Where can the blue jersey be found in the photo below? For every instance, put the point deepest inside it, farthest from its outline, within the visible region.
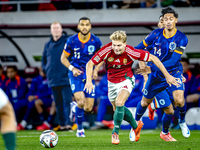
(81, 52)
(167, 49)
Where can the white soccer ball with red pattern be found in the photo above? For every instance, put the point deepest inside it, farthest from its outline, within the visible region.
(48, 139)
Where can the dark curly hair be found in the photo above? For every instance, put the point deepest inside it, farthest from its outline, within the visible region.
(169, 10)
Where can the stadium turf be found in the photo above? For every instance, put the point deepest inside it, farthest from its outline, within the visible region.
(101, 139)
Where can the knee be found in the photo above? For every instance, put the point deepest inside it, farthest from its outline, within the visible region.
(179, 101)
(119, 103)
(144, 103)
(80, 103)
(170, 111)
(88, 109)
(38, 103)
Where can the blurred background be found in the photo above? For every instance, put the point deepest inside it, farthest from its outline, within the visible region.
(25, 28)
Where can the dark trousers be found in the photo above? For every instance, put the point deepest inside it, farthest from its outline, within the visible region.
(63, 98)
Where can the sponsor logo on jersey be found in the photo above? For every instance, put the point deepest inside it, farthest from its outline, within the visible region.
(125, 61)
(110, 59)
(97, 58)
(91, 49)
(75, 49)
(117, 61)
(172, 46)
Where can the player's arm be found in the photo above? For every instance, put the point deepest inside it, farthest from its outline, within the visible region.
(65, 62)
(140, 46)
(147, 41)
(96, 70)
(89, 71)
(170, 79)
(145, 76)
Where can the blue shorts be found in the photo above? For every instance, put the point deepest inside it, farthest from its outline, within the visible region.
(155, 85)
(77, 84)
(46, 102)
(163, 99)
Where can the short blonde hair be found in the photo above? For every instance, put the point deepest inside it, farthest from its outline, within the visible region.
(119, 35)
(56, 22)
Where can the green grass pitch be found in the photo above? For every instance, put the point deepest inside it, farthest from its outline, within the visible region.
(101, 140)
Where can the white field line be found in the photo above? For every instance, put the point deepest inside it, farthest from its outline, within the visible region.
(37, 134)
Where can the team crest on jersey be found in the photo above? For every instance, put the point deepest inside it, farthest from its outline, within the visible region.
(91, 49)
(97, 58)
(110, 59)
(125, 61)
(172, 46)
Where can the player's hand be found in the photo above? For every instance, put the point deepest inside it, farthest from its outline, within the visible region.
(183, 79)
(95, 74)
(76, 72)
(144, 70)
(171, 80)
(89, 87)
(31, 98)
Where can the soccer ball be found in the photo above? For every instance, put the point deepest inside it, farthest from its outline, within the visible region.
(48, 139)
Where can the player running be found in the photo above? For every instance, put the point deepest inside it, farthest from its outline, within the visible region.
(81, 47)
(119, 57)
(168, 45)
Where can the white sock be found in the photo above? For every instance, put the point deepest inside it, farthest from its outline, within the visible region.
(23, 123)
(164, 133)
(45, 122)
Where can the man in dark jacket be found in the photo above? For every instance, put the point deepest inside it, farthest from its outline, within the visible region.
(57, 74)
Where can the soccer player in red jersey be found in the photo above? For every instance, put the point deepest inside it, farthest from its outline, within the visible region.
(119, 57)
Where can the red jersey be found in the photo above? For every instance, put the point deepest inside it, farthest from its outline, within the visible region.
(119, 65)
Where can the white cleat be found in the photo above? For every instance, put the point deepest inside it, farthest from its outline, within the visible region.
(185, 130)
(80, 133)
(132, 135)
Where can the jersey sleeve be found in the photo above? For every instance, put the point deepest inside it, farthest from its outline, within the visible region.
(140, 46)
(138, 54)
(149, 38)
(181, 45)
(67, 47)
(101, 54)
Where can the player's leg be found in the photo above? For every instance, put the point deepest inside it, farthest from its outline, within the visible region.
(79, 115)
(181, 107)
(166, 121)
(89, 103)
(46, 102)
(152, 88)
(18, 106)
(8, 122)
(104, 102)
(27, 117)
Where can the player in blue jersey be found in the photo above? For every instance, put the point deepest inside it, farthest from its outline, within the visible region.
(81, 47)
(162, 100)
(168, 45)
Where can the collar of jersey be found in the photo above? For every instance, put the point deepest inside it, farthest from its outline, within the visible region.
(82, 40)
(170, 36)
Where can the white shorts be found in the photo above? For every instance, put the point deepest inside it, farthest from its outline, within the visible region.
(115, 88)
(3, 99)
